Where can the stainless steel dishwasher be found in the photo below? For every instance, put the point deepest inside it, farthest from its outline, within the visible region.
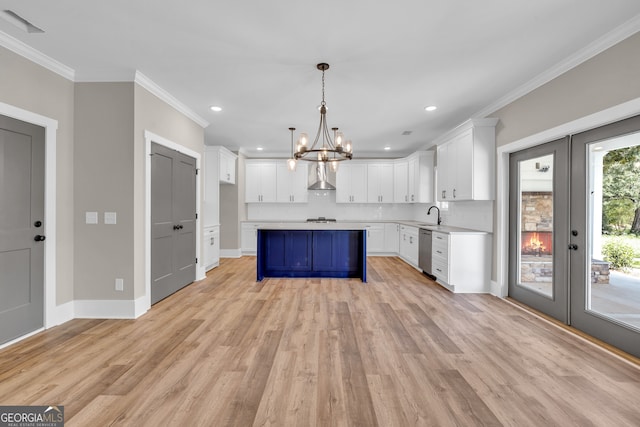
(424, 251)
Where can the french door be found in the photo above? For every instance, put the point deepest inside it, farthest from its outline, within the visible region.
(574, 231)
(538, 221)
(605, 182)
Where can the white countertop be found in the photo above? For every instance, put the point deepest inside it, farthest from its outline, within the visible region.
(356, 225)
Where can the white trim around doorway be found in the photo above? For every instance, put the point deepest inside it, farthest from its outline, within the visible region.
(54, 314)
(144, 303)
(592, 121)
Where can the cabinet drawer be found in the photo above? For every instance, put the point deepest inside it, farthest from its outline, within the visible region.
(440, 256)
(440, 270)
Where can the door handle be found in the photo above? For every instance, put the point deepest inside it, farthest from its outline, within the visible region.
(39, 238)
(573, 247)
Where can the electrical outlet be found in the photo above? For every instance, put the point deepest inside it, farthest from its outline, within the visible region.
(119, 284)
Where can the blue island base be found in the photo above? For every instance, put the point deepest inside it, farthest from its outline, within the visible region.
(312, 253)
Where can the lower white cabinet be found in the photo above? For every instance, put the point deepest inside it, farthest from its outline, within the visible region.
(249, 237)
(461, 261)
(391, 237)
(408, 246)
(375, 238)
(211, 244)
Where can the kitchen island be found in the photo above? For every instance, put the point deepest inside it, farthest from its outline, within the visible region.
(312, 250)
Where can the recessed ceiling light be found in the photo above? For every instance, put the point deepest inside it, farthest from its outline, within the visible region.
(259, 148)
(387, 148)
(216, 109)
(430, 108)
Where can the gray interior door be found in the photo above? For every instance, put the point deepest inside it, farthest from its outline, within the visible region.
(21, 228)
(173, 221)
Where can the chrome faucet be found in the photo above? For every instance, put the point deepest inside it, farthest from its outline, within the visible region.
(429, 213)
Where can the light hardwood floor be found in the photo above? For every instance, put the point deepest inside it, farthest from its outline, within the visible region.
(397, 351)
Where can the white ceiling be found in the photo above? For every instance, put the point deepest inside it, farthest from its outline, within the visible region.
(257, 59)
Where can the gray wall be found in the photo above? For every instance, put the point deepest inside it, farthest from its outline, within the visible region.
(31, 87)
(103, 169)
(609, 78)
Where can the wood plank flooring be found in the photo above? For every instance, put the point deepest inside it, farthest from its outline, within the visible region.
(397, 351)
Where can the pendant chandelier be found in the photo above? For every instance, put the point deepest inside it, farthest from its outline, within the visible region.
(324, 149)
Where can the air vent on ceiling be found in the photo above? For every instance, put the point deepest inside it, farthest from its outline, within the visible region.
(20, 22)
(407, 132)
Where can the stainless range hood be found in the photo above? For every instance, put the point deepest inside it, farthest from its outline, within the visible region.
(322, 181)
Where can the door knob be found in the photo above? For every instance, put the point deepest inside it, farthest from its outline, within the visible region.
(37, 224)
(39, 238)
(573, 247)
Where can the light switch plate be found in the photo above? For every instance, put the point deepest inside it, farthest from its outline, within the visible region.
(110, 218)
(91, 217)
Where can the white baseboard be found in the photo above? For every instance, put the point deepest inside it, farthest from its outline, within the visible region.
(231, 253)
(495, 289)
(106, 309)
(63, 313)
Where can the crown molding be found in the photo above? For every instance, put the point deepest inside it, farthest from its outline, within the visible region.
(610, 39)
(36, 56)
(149, 85)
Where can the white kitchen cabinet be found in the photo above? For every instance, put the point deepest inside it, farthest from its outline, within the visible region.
(375, 238)
(211, 184)
(260, 181)
(420, 176)
(401, 181)
(291, 185)
(380, 182)
(351, 183)
(461, 261)
(413, 178)
(466, 160)
(211, 245)
(391, 238)
(409, 244)
(249, 237)
(227, 166)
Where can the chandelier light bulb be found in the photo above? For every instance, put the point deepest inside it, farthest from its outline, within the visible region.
(303, 139)
(291, 164)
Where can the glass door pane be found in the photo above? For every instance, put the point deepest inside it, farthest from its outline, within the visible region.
(538, 221)
(613, 285)
(535, 228)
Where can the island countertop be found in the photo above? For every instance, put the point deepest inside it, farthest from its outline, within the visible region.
(311, 226)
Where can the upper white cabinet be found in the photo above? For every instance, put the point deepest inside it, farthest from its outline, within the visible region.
(260, 181)
(351, 183)
(380, 182)
(466, 160)
(227, 166)
(413, 178)
(401, 181)
(291, 185)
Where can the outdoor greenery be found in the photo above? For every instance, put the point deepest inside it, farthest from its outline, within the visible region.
(631, 240)
(619, 253)
(621, 191)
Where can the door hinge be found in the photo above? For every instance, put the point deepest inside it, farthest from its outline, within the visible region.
(196, 260)
(196, 216)
(197, 170)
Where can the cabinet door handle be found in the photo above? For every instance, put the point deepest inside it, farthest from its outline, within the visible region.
(410, 239)
(439, 252)
(454, 193)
